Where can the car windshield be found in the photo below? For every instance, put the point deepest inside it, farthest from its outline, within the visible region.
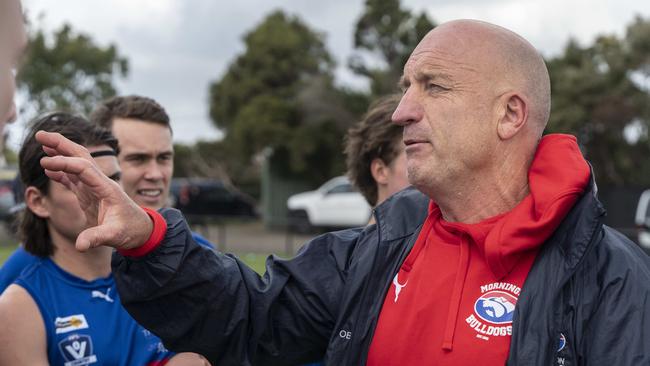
(332, 183)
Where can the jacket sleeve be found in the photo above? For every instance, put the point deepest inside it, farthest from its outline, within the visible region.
(618, 330)
(199, 300)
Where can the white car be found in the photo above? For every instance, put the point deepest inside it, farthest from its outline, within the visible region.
(642, 220)
(334, 204)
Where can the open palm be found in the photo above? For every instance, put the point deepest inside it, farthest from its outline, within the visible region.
(115, 220)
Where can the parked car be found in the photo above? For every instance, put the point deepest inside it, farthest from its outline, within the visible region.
(334, 204)
(642, 220)
(209, 198)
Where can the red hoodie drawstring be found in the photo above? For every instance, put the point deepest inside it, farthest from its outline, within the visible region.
(456, 295)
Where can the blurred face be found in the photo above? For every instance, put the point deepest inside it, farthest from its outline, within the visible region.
(63, 212)
(445, 110)
(12, 43)
(397, 174)
(146, 159)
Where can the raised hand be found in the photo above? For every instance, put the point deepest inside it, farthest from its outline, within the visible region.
(120, 222)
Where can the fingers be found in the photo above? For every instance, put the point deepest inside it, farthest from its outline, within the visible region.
(91, 238)
(70, 170)
(55, 144)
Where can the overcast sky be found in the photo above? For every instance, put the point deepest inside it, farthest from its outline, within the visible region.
(177, 47)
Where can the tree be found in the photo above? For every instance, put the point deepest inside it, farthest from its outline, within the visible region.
(68, 71)
(280, 95)
(597, 95)
(387, 33)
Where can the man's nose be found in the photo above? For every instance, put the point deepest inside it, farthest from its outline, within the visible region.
(153, 171)
(409, 109)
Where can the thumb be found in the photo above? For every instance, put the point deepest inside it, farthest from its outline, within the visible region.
(93, 237)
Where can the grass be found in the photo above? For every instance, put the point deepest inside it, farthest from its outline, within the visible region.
(5, 252)
(254, 260)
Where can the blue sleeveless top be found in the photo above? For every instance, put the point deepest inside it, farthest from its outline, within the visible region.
(85, 322)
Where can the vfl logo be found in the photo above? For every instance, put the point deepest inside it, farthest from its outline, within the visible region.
(102, 295)
(398, 287)
(77, 350)
(496, 307)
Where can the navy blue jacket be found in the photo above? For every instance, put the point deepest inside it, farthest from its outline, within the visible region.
(586, 300)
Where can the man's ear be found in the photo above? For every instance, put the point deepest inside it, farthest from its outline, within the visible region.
(35, 201)
(379, 171)
(514, 117)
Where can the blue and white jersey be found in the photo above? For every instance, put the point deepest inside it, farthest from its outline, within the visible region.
(85, 322)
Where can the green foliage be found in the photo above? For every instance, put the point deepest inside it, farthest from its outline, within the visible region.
(68, 71)
(390, 33)
(279, 94)
(595, 98)
(280, 53)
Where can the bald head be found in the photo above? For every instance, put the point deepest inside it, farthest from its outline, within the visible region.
(505, 59)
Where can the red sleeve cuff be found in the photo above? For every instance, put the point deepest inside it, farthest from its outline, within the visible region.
(156, 237)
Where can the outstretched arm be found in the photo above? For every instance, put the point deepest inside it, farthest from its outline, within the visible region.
(23, 336)
(120, 223)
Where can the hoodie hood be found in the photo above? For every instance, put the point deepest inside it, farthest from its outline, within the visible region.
(557, 177)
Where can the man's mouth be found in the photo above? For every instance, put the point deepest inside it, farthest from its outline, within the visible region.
(150, 192)
(409, 142)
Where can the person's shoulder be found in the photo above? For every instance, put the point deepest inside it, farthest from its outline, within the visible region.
(17, 307)
(619, 254)
(402, 213)
(18, 260)
(16, 264)
(201, 240)
(23, 330)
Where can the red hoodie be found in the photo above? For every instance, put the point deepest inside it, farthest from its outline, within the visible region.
(452, 301)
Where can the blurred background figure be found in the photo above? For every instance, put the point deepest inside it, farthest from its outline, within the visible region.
(142, 128)
(375, 156)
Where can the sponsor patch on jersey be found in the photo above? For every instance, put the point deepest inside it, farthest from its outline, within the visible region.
(77, 350)
(493, 310)
(70, 323)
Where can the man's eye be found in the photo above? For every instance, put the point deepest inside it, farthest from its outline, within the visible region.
(435, 87)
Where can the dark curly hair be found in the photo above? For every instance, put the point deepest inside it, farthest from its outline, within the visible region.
(375, 136)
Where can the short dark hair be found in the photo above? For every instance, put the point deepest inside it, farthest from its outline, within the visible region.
(32, 229)
(131, 106)
(375, 136)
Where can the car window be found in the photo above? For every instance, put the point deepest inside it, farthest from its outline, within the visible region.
(217, 194)
(342, 188)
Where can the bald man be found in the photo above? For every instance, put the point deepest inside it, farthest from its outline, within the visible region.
(499, 256)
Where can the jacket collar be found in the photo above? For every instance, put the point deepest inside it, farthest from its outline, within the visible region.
(574, 235)
(402, 214)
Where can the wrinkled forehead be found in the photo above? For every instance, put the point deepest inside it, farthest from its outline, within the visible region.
(442, 57)
(459, 48)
